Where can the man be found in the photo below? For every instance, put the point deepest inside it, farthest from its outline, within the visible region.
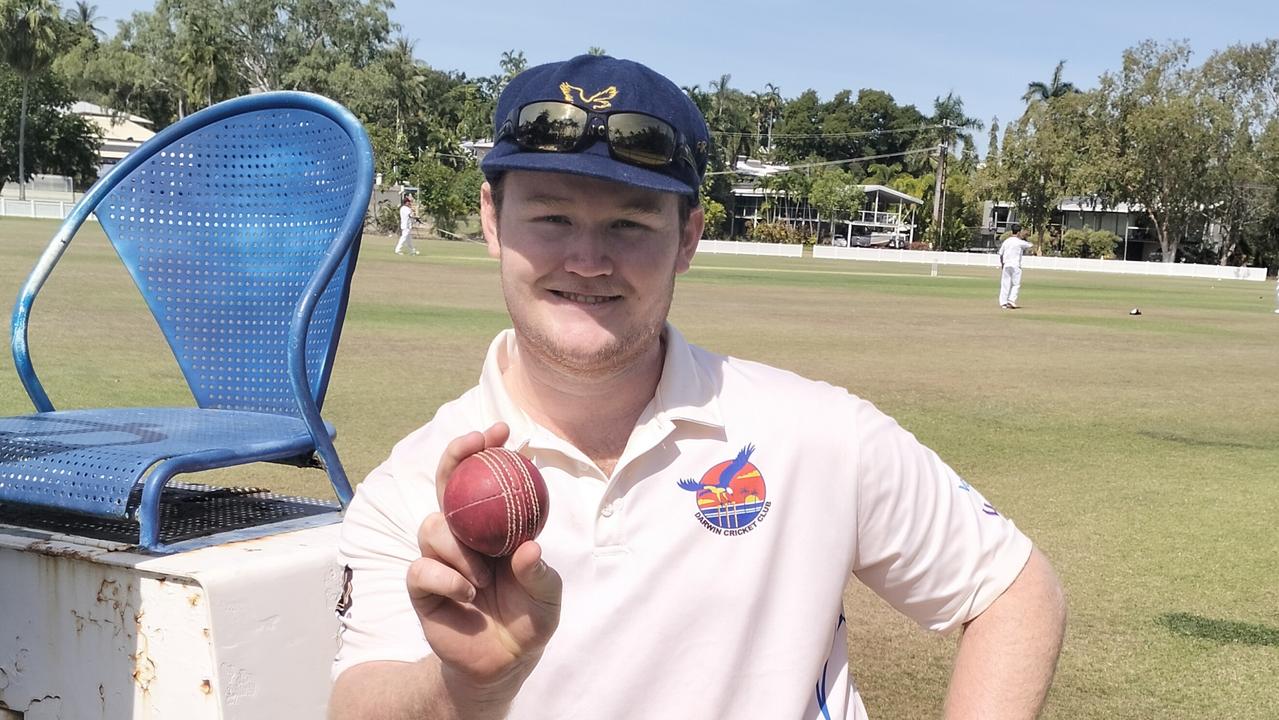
(406, 227)
(702, 525)
(1010, 267)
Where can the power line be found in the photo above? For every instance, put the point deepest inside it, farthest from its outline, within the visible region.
(858, 133)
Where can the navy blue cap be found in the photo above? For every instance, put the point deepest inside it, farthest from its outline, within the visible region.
(592, 81)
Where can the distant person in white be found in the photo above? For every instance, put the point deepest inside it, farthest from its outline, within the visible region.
(406, 227)
(1010, 263)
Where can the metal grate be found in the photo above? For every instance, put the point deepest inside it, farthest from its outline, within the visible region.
(187, 511)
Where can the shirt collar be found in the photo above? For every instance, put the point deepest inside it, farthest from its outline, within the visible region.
(687, 391)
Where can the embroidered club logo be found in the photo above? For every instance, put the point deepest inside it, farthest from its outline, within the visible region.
(731, 497)
(598, 101)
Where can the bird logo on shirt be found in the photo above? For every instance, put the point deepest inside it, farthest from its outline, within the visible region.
(731, 496)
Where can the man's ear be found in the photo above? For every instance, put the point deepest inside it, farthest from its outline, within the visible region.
(488, 220)
(689, 238)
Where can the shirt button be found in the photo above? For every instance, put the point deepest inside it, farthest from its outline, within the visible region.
(607, 510)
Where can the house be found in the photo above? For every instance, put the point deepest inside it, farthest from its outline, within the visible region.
(886, 217)
(1128, 222)
(121, 133)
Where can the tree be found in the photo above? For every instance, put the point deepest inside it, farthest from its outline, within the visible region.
(29, 37)
(770, 104)
(1037, 92)
(992, 142)
(835, 195)
(58, 141)
(1035, 164)
(948, 113)
(1161, 129)
(83, 21)
(512, 63)
(1245, 78)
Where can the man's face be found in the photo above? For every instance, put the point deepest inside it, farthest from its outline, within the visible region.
(588, 266)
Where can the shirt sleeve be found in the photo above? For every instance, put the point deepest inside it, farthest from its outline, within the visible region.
(377, 545)
(927, 541)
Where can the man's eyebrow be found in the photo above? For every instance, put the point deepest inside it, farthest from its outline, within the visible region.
(546, 199)
(632, 206)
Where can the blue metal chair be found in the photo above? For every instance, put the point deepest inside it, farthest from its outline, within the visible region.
(240, 226)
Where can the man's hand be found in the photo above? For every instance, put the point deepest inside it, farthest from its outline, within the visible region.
(487, 620)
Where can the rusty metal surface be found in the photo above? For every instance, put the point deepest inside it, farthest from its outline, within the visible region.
(244, 630)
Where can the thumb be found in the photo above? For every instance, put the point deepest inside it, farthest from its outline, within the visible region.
(538, 579)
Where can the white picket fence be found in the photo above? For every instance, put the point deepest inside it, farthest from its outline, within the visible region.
(728, 247)
(42, 209)
(927, 257)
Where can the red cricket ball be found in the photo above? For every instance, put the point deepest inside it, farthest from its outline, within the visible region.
(495, 501)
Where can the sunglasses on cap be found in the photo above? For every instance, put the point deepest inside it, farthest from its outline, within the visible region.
(634, 138)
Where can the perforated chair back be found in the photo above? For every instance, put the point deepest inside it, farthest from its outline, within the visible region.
(221, 230)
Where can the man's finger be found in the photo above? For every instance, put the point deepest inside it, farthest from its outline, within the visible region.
(436, 542)
(429, 580)
(538, 579)
(464, 447)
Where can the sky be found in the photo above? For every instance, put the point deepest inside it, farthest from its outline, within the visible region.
(985, 52)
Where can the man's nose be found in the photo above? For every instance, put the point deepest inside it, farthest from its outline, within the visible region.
(588, 254)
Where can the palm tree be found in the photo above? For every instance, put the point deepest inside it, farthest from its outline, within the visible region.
(408, 83)
(948, 112)
(28, 43)
(83, 19)
(770, 106)
(881, 174)
(1055, 88)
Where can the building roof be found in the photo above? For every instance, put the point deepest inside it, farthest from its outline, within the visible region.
(121, 132)
(887, 194)
(757, 168)
(87, 109)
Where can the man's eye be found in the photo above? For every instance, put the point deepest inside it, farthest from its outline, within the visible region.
(557, 219)
(628, 225)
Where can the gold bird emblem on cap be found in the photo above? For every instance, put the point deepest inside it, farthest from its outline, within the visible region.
(598, 101)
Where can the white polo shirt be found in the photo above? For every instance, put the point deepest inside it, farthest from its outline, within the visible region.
(1011, 250)
(705, 577)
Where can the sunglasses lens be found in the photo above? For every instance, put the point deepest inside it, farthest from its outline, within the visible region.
(641, 139)
(550, 126)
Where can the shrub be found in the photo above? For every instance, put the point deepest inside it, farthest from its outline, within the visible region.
(716, 217)
(1075, 243)
(1102, 244)
(778, 232)
(1089, 243)
(387, 218)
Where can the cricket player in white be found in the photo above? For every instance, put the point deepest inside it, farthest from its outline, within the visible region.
(406, 227)
(1010, 267)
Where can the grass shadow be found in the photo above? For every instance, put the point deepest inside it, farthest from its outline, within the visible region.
(1219, 631)
(1198, 442)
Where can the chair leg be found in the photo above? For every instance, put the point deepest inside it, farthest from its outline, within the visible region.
(148, 512)
(333, 466)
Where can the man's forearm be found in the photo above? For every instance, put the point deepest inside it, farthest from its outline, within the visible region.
(1008, 654)
(406, 691)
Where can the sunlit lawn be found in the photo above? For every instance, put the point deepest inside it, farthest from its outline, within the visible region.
(1141, 453)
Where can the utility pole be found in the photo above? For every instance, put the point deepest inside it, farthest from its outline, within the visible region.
(939, 187)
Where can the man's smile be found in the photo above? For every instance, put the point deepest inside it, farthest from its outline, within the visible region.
(585, 299)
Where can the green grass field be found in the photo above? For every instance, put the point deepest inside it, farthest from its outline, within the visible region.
(1141, 453)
